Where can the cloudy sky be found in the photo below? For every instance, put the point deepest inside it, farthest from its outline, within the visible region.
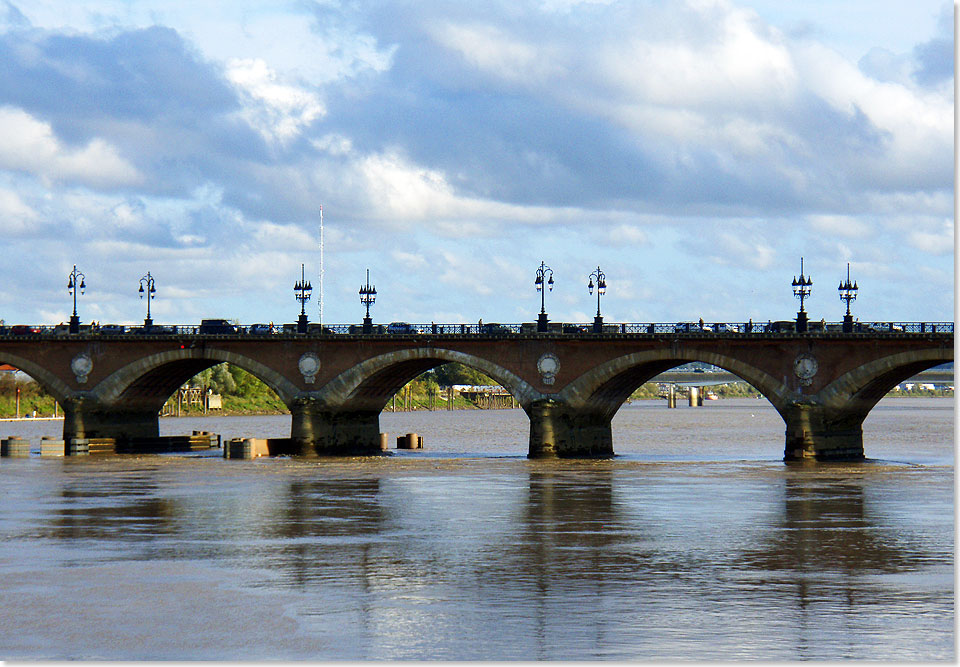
(693, 150)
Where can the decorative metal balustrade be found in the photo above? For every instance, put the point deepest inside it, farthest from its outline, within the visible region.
(584, 329)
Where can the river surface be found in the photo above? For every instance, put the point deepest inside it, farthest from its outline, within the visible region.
(695, 542)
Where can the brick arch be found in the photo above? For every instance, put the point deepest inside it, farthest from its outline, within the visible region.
(52, 384)
(152, 379)
(371, 383)
(605, 388)
(858, 390)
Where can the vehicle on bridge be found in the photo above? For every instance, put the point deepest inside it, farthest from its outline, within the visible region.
(400, 328)
(112, 329)
(217, 327)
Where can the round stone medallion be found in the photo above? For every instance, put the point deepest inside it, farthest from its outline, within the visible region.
(309, 364)
(548, 365)
(81, 366)
(805, 366)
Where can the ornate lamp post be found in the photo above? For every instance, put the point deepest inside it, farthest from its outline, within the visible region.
(368, 294)
(848, 293)
(75, 282)
(147, 287)
(601, 289)
(302, 289)
(801, 290)
(540, 283)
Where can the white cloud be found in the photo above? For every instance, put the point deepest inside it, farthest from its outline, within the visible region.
(399, 191)
(936, 241)
(494, 51)
(16, 217)
(743, 249)
(276, 110)
(846, 226)
(29, 145)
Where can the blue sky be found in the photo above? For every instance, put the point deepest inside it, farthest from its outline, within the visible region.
(692, 150)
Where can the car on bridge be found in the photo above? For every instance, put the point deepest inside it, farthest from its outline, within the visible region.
(112, 329)
(24, 330)
(494, 329)
(400, 328)
(260, 329)
(217, 327)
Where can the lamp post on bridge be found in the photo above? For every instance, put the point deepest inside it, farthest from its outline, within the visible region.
(601, 289)
(150, 291)
(75, 281)
(801, 290)
(848, 293)
(302, 288)
(368, 295)
(542, 321)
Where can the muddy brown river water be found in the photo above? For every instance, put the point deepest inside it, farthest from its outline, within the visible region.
(695, 542)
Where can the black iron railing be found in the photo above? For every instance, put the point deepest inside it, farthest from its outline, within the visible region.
(486, 329)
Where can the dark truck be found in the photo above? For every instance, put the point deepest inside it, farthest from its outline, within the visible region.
(217, 327)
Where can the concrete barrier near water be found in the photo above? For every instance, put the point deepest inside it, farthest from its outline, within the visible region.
(77, 447)
(51, 446)
(410, 441)
(15, 447)
(251, 448)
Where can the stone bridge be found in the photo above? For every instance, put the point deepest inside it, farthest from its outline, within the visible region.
(823, 384)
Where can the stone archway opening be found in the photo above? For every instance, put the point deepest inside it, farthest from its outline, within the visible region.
(628, 401)
(223, 389)
(457, 409)
(126, 406)
(345, 417)
(22, 396)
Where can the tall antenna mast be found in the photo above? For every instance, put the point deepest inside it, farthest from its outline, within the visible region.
(321, 270)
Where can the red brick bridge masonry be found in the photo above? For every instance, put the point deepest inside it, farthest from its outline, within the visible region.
(822, 384)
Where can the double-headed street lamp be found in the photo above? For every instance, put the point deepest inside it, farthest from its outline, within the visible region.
(848, 293)
(368, 294)
(540, 283)
(801, 290)
(302, 290)
(75, 282)
(147, 287)
(601, 289)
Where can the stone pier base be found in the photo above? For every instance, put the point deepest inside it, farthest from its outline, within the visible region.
(558, 431)
(84, 420)
(812, 434)
(335, 433)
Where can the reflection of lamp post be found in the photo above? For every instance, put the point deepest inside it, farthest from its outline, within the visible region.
(303, 289)
(76, 281)
(368, 294)
(801, 290)
(539, 282)
(601, 289)
(848, 293)
(150, 291)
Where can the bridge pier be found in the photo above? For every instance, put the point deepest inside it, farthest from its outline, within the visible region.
(325, 432)
(558, 431)
(86, 419)
(815, 433)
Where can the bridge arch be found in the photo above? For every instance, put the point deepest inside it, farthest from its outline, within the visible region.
(370, 384)
(604, 389)
(857, 391)
(52, 384)
(152, 379)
